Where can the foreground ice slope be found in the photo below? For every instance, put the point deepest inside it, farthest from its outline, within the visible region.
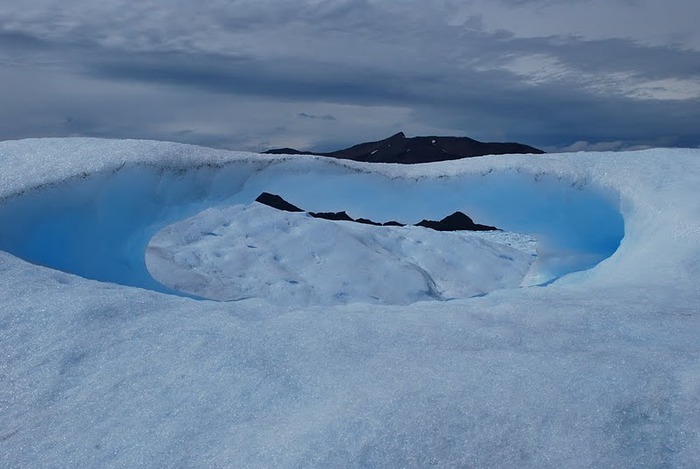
(599, 369)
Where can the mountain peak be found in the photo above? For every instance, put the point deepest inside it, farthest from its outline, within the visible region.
(410, 150)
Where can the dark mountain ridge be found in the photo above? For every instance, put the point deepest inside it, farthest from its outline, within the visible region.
(411, 150)
(458, 221)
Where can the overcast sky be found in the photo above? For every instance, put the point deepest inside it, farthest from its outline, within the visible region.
(323, 74)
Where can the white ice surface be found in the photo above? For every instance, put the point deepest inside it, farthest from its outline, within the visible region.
(600, 368)
(255, 251)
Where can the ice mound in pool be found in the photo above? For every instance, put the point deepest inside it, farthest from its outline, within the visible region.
(254, 251)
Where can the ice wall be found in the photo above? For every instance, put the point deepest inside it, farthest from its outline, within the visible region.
(98, 225)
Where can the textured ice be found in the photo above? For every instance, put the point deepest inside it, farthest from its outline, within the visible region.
(600, 368)
(99, 226)
(254, 251)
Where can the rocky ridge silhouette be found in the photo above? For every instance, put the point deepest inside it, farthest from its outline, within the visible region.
(412, 150)
(457, 221)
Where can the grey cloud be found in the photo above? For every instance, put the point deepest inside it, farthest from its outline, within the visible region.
(325, 117)
(446, 78)
(615, 55)
(599, 146)
(544, 2)
(18, 41)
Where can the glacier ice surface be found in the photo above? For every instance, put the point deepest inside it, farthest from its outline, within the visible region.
(600, 368)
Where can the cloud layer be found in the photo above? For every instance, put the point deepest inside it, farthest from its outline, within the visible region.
(320, 74)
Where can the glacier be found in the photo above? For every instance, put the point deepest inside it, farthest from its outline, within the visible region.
(591, 360)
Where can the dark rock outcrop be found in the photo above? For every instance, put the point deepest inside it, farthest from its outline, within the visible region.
(335, 216)
(286, 151)
(366, 221)
(401, 149)
(455, 222)
(275, 201)
(392, 223)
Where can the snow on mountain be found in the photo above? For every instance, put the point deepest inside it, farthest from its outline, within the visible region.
(102, 366)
